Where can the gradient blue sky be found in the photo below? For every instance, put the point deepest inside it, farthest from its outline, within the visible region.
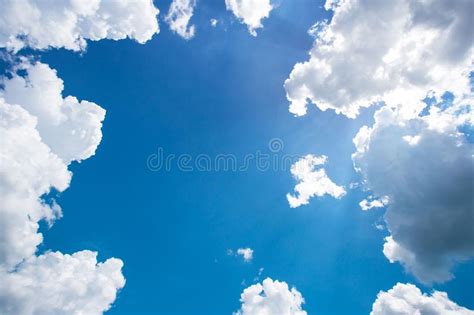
(221, 92)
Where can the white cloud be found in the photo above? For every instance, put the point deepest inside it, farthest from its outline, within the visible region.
(246, 253)
(399, 53)
(213, 22)
(428, 185)
(354, 185)
(35, 23)
(71, 128)
(250, 12)
(312, 181)
(379, 227)
(407, 299)
(395, 51)
(178, 17)
(316, 28)
(55, 283)
(271, 297)
(41, 133)
(373, 203)
(28, 170)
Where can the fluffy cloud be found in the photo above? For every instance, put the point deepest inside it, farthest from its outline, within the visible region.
(403, 54)
(428, 183)
(313, 181)
(71, 128)
(41, 133)
(271, 297)
(246, 253)
(250, 12)
(178, 17)
(392, 51)
(28, 170)
(54, 283)
(373, 203)
(407, 299)
(35, 23)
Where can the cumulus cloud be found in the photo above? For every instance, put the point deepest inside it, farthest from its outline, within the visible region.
(370, 203)
(28, 170)
(313, 181)
(407, 299)
(391, 51)
(41, 134)
(403, 54)
(428, 184)
(71, 128)
(35, 23)
(250, 12)
(179, 14)
(271, 297)
(246, 253)
(55, 283)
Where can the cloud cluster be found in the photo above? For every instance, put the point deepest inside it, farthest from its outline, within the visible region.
(55, 283)
(250, 12)
(271, 297)
(372, 202)
(71, 128)
(68, 24)
(313, 181)
(28, 170)
(392, 51)
(178, 17)
(42, 133)
(428, 183)
(246, 253)
(413, 159)
(407, 299)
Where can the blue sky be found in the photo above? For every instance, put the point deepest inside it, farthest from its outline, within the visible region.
(219, 93)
